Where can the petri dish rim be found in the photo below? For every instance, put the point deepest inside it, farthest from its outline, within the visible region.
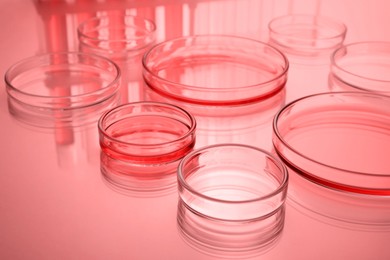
(342, 27)
(103, 131)
(282, 185)
(344, 48)
(285, 143)
(202, 88)
(15, 66)
(148, 22)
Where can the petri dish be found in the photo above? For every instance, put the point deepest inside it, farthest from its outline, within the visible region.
(229, 239)
(215, 70)
(232, 182)
(58, 90)
(116, 35)
(143, 142)
(301, 35)
(361, 66)
(337, 140)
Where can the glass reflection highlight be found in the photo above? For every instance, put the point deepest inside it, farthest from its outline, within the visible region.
(229, 239)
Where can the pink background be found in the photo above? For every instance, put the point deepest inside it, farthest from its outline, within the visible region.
(54, 202)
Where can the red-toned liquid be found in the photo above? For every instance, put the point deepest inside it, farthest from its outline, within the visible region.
(150, 139)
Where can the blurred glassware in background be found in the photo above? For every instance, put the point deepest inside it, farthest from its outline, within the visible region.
(232, 85)
(142, 144)
(308, 42)
(123, 39)
(339, 143)
(231, 198)
(361, 66)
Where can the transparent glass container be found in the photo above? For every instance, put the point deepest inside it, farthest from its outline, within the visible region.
(232, 85)
(336, 147)
(142, 144)
(60, 90)
(308, 42)
(124, 39)
(215, 70)
(231, 198)
(361, 66)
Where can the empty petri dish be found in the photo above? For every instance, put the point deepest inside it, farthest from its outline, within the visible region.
(229, 239)
(301, 35)
(361, 66)
(62, 89)
(116, 35)
(143, 142)
(124, 39)
(337, 140)
(232, 182)
(215, 70)
(307, 41)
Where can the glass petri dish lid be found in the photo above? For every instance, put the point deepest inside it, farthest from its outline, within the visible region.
(337, 140)
(215, 70)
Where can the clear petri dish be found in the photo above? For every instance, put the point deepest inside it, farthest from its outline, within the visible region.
(338, 140)
(301, 35)
(215, 70)
(143, 142)
(116, 35)
(229, 239)
(232, 182)
(361, 66)
(62, 89)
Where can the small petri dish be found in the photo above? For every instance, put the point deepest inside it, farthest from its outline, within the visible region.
(361, 66)
(215, 70)
(306, 35)
(230, 239)
(144, 142)
(232, 182)
(116, 35)
(62, 89)
(338, 140)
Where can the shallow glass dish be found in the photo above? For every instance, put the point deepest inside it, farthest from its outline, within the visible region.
(232, 182)
(361, 66)
(116, 35)
(306, 35)
(337, 140)
(215, 70)
(143, 142)
(62, 89)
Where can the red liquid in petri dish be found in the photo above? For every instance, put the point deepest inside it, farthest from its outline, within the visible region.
(147, 131)
(215, 70)
(147, 134)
